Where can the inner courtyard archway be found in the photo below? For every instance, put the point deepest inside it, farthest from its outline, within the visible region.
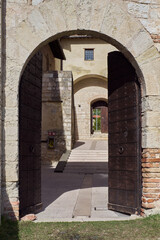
(85, 90)
(99, 117)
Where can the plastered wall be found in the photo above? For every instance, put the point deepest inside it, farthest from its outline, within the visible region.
(74, 49)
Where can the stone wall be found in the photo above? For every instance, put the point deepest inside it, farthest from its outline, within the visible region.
(148, 12)
(29, 27)
(57, 115)
(151, 155)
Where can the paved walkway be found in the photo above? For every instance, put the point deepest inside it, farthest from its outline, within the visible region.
(77, 196)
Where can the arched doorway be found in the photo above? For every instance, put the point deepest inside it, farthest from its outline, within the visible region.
(124, 139)
(85, 90)
(135, 43)
(99, 117)
(30, 193)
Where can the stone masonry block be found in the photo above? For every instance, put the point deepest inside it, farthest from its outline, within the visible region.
(11, 172)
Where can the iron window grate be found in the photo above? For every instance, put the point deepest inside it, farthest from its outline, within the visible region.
(89, 54)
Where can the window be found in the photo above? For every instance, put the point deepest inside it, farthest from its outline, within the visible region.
(89, 54)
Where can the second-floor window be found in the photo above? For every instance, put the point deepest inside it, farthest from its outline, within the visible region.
(89, 54)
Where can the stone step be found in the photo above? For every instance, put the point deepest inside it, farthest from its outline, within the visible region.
(88, 156)
(89, 151)
(85, 165)
(78, 168)
(85, 153)
(86, 162)
(84, 171)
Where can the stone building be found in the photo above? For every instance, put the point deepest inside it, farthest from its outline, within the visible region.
(28, 27)
(89, 78)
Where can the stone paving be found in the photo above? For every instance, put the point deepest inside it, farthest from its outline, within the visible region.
(76, 197)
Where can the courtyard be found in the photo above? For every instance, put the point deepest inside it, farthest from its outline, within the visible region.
(80, 192)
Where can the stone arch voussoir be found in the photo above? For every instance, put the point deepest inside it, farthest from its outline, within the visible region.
(53, 19)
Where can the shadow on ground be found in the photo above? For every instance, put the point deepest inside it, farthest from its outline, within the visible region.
(55, 185)
(78, 144)
(9, 230)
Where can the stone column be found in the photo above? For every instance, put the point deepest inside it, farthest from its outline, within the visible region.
(57, 114)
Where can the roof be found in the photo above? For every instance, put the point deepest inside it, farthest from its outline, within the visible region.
(57, 50)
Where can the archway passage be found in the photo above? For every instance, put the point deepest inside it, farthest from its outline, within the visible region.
(124, 136)
(99, 117)
(30, 136)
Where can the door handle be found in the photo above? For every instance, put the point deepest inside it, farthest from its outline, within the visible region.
(121, 150)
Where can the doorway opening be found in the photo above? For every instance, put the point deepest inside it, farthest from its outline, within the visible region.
(124, 139)
(99, 117)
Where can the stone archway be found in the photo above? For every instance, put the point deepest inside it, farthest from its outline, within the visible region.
(50, 20)
(99, 122)
(87, 88)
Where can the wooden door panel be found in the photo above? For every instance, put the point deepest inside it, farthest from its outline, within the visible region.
(123, 125)
(128, 92)
(122, 163)
(121, 200)
(119, 104)
(120, 137)
(128, 150)
(124, 136)
(30, 136)
(123, 114)
(104, 119)
(123, 180)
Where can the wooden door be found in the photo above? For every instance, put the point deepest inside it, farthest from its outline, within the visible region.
(30, 136)
(124, 136)
(104, 119)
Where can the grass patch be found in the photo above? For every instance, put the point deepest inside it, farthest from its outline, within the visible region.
(147, 228)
